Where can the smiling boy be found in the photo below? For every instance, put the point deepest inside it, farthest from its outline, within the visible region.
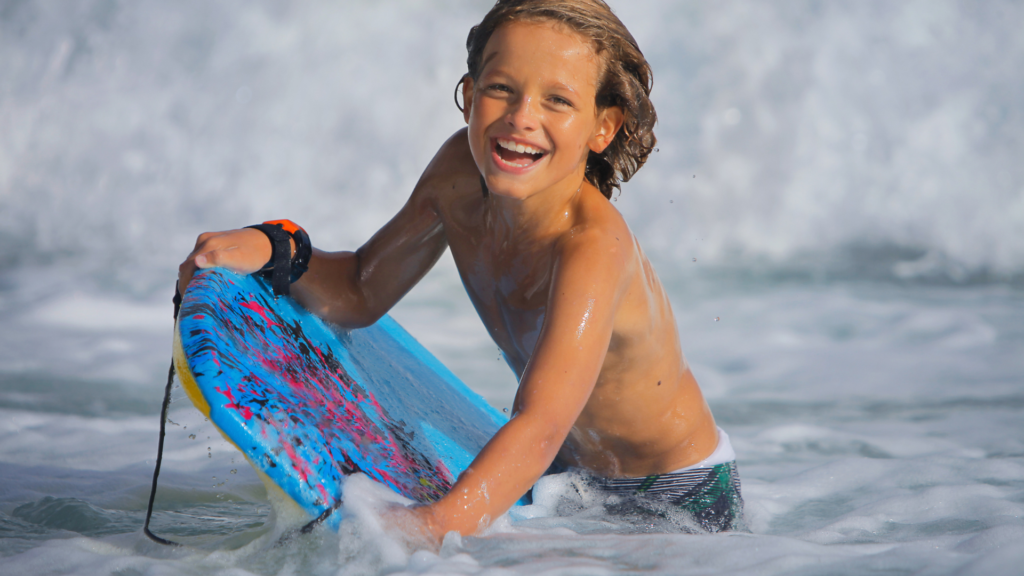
(556, 102)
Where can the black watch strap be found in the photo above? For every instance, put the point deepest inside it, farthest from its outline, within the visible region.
(303, 254)
(279, 268)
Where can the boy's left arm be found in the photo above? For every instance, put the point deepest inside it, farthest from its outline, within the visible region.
(587, 282)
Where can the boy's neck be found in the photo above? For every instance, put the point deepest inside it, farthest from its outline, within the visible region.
(542, 215)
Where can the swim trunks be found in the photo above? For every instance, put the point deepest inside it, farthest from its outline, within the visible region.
(709, 490)
(712, 495)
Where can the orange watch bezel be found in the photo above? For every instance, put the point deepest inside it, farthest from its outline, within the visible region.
(288, 226)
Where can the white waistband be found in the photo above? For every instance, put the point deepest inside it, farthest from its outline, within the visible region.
(723, 453)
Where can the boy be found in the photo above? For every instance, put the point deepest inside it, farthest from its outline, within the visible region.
(556, 102)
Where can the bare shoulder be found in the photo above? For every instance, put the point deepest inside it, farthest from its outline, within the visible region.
(452, 170)
(600, 234)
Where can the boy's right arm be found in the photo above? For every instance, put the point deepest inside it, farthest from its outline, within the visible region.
(354, 289)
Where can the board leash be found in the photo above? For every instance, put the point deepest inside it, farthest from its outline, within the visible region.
(309, 526)
(160, 444)
(159, 459)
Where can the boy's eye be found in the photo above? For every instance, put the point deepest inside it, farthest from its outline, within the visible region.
(499, 88)
(560, 101)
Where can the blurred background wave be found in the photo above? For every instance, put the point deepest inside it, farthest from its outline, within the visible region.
(869, 138)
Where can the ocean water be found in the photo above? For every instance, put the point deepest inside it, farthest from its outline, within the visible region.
(836, 207)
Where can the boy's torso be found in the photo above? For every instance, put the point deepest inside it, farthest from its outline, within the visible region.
(646, 413)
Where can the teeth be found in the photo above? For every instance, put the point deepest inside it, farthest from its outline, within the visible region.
(522, 149)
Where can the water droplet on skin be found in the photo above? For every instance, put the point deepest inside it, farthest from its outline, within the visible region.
(717, 318)
(191, 436)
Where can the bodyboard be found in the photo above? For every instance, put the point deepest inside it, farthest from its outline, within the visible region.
(308, 403)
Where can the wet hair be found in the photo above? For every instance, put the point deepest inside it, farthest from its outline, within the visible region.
(626, 80)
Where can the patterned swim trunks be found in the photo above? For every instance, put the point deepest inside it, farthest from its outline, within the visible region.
(712, 495)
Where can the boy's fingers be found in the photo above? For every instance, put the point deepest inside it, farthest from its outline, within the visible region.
(185, 273)
(232, 257)
(202, 261)
(195, 263)
(243, 251)
(221, 257)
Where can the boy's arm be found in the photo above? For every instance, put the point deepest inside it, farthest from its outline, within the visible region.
(354, 289)
(555, 387)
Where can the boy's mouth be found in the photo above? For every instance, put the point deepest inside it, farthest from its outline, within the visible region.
(516, 155)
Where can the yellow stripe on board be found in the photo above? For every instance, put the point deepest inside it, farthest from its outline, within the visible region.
(188, 381)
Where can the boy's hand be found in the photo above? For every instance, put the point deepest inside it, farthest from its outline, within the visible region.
(415, 526)
(243, 251)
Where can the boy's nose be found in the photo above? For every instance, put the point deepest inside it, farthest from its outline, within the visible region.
(523, 115)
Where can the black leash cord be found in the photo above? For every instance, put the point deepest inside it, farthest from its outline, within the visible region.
(320, 519)
(160, 456)
(163, 430)
(308, 527)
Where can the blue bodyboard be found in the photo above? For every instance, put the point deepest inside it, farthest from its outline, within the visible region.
(308, 403)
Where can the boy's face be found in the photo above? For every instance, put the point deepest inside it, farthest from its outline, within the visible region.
(532, 114)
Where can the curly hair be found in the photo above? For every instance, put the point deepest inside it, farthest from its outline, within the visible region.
(626, 81)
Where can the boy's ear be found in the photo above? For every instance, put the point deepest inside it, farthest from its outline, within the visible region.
(609, 121)
(467, 96)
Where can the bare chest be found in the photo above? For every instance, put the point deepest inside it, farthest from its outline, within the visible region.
(508, 285)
